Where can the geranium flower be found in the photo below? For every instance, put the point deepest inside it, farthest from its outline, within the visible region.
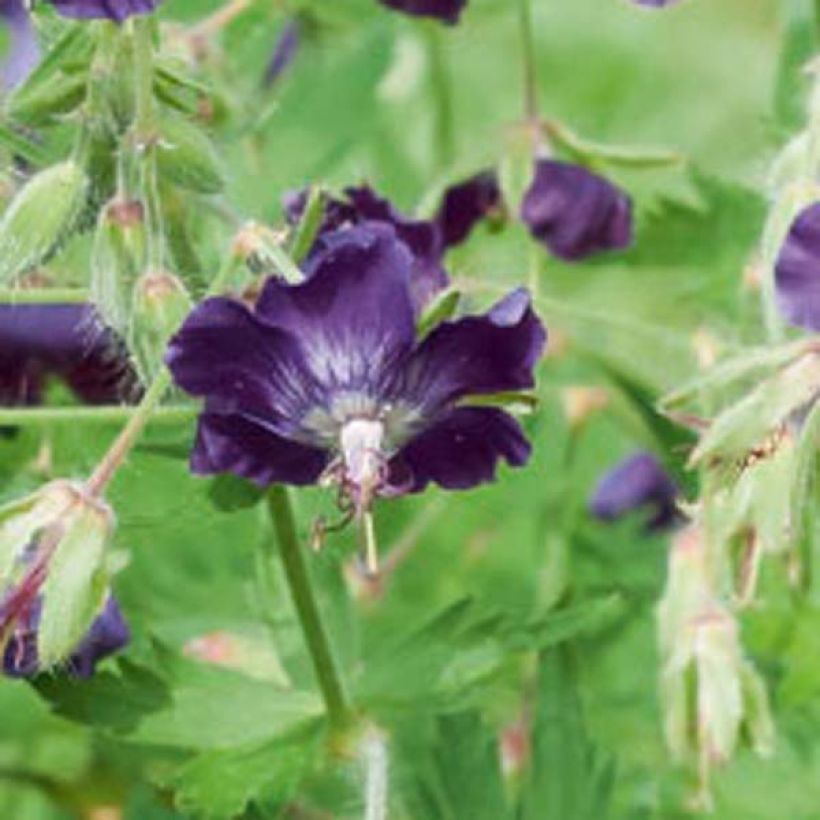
(327, 381)
(63, 341)
(24, 52)
(639, 481)
(797, 271)
(108, 634)
(575, 212)
(447, 11)
(117, 10)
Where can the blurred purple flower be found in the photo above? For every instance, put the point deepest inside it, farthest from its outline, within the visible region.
(66, 341)
(284, 51)
(362, 204)
(24, 51)
(446, 10)
(797, 271)
(655, 3)
(108, 634)
(575, 212)
(117, 10)
(326, 381)
(639, 481)
(465, 204)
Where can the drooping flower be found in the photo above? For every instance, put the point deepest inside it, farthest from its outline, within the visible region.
(284, 51)
(63, 341)
(639, 481)
(467, 203)
(575, 212)
(362, 204)
(326, 380)
(24, 51)
(447, 11)
(117, 10)
(108, 634)
(797, 271)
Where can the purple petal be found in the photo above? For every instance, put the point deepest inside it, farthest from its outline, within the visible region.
(353, 315)
(108, 634)
(655, 3)
(464, 205)
(232, 443)
(797, 271)
(637, 481)
(67, 341)
(224, 352)
(462, 449)
(117, 10)
(24, 51)
(446, 10)
(479, 354)
(575, 212)
(363, 205)
(284, 51)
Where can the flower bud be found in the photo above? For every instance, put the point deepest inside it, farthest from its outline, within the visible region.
(117, 259)
(187, 157)
(161, 302)
(53, 564)
(36, 104)
(40, 217)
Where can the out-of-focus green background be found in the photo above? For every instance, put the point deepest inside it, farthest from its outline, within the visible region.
(705, 78)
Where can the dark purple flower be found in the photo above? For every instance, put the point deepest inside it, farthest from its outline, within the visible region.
(66, 341)
(465, 204)
(108, 634)
(363, 204)
(326, 380)
(575, 212)
(24, 51)
(655, 3)
(797, 271)
(636, 482)
(118, 10)
(446, 10)
(284, 51)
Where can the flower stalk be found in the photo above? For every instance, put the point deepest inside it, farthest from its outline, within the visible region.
(317, 639)
(444, 135)
(529, 75)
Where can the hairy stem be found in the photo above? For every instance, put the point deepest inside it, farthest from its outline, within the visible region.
(317, 639)
(529, 76)
(100, 414)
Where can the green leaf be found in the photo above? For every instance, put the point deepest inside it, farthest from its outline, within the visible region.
(565, 781)
(221, 784)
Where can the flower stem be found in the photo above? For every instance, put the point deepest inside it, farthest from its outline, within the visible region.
(442, 97)
(328, 676)
(113, 414)
(145, 105)
(44, 296)
(111, 461)
(117, 453)
(530, 77)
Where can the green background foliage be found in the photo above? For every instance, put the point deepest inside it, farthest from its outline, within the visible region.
(510, 596)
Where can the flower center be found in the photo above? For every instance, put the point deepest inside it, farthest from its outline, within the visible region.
(361, 441)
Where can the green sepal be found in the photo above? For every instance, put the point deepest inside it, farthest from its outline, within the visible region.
(520, 402)
(442, 307)
(76, 585)
(187, 157)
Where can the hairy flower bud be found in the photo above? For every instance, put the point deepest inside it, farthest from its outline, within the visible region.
(40, 217)
(161, 303)
(117, 259)
(187, 157)
(52, 548)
